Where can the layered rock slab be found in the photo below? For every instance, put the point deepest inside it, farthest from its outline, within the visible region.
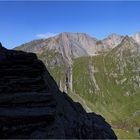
(25, 102)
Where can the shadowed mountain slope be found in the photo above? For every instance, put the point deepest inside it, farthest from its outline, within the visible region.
(31, 105)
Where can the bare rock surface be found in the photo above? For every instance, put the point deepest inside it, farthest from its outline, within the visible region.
(72, 45)
(136, 37)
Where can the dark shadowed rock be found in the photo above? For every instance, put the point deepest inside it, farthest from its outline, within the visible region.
(31, 105)
(2, 52)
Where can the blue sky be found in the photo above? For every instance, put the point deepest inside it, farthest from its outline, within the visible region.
(21, 22)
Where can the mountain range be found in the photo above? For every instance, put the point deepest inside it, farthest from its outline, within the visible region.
(103, 75)
(76, 44)
(73, 45)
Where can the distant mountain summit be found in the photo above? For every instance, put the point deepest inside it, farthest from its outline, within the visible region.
(69, 45)
(72, 45)
(112, 40)
(136, 37)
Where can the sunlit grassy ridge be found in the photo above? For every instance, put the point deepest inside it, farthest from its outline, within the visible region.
(117, 97)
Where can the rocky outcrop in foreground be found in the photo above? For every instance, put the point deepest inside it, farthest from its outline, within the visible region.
(31, 105)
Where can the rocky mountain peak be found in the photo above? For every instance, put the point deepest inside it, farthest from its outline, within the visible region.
(112, 40)
(78, 37)
(128, 43)
(2, 52)
(1, 47)
(113, 35)
(136, 37)
(72, 45)
(73, 34)
(128, 39)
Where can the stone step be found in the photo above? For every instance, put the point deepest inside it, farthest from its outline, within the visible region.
(20, 55)
(17, 88)
(20, 98)
(15, 63)
(19, 69)
(22, 81)
(14, 77)
(25, 115)
(23, 112)
(24, 129)
(21, 63)
(27, 73)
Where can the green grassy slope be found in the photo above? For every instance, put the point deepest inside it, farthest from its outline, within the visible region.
(109, 99)
(55, 65)
(108, 84)
(111, 83)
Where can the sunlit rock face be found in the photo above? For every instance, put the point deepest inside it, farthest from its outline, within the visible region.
(73, 45)
(136, 37)
(112, 41)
